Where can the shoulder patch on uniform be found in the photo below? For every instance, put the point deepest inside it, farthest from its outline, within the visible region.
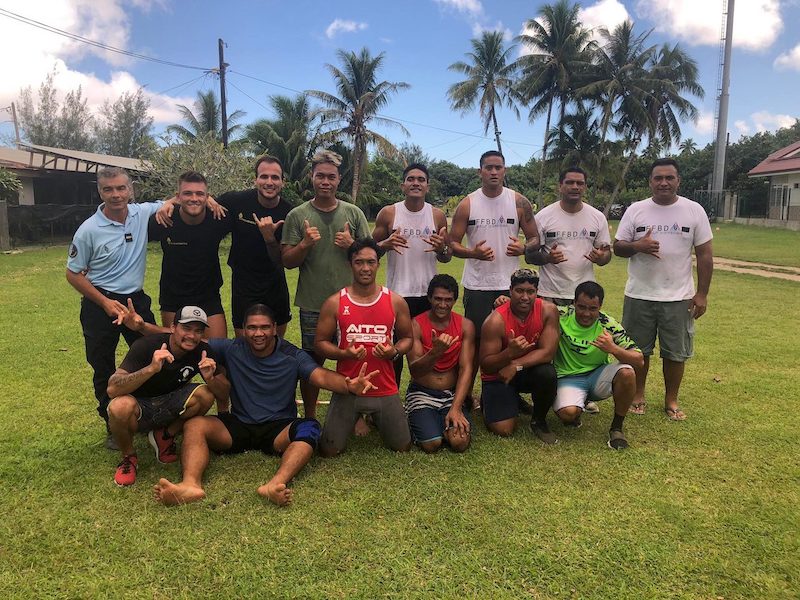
(73, 251)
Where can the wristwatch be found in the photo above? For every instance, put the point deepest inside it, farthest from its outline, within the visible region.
(519, 368)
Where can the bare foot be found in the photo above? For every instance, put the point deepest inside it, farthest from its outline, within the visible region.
(172, 494)
(361, 428)
(277, 493)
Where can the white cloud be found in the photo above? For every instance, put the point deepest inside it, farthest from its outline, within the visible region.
(766, 121)
(478, 29)
(37, 52)
(742, 127)
(789, 60)
(756, 23)
(343, 26)
(470, 7)
(705, 123)
(605, 13)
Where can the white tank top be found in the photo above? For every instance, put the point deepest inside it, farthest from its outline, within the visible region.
(493, 220)
(408, 275)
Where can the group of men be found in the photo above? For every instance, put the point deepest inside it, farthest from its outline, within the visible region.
(541, 334)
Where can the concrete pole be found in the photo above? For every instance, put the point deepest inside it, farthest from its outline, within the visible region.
(718, 180)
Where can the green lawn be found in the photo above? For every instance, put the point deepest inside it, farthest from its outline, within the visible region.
(701, 509)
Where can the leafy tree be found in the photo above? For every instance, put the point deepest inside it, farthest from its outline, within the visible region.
(10, 185)
(688, 146)
(225, 170)
(491, 80)
(205, 118)
(124, 126)
(560, 51)
(360, 97)
(51, 123)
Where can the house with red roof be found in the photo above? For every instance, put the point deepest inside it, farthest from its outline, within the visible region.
(783, 169)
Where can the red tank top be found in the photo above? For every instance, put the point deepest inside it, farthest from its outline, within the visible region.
(367, 325)
(450, 358)
(530, 328)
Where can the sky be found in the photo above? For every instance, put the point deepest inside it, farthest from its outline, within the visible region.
(277, 47)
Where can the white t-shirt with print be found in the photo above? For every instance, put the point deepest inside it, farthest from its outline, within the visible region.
(576, 234)
(678, 228)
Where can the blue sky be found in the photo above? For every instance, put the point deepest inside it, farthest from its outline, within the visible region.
(288, 44)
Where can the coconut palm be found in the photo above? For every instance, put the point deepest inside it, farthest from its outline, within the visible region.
(688, 146)
(205, 118)
(490, 83)
(577, 140)
(559, 51)
(291, 136)
(360, 97)
(674, 74)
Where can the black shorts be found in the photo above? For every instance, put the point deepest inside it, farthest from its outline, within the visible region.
(252, 437)
(478, 305)
(276, 298)
(417, 305)
(212, 305)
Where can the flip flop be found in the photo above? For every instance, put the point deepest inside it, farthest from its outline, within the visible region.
(675, 414)
(638, 408)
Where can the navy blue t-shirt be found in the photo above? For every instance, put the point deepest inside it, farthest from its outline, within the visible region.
(262, 389)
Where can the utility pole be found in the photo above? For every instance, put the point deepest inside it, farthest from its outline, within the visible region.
(222, 100)
(718, 180)
(16, 125)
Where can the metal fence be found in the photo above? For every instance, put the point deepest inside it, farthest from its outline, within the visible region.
(712, 202)
(752, 204)
(46, 223)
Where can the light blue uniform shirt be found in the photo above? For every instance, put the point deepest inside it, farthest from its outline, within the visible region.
(113, 253)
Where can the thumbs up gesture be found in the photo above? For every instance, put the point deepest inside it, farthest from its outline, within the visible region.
(647, 245)
(310, 235)
(343, 239)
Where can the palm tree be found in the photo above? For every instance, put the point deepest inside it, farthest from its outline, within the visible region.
(688, 146)
(291, 137)
(491, 80)
(361, 96)
(205, 118)
(560, 50)
(674, 73)
(577, 140)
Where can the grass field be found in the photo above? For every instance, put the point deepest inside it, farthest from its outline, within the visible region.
(701, 509)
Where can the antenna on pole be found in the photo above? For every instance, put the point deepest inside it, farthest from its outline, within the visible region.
(723, 85)
(222, 100)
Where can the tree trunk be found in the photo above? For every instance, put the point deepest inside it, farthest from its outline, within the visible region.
(539, 202)
(357, 154)
(496, 130)
(621, 180)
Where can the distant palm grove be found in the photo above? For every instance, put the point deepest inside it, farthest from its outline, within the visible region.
(610, 102)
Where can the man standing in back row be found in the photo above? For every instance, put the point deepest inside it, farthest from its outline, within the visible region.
(491, 217)
(414, 233)
(658, 235)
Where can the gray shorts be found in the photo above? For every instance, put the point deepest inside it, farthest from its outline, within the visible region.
(671, 321)
(387, 413)
(308, 328)
(577, 390)
(479, 304)
(160, 411)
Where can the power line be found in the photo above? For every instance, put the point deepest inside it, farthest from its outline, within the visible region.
(96, 44)
(233, 85)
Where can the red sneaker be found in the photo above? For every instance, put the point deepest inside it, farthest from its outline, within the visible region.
(126, 470)
(164, 445)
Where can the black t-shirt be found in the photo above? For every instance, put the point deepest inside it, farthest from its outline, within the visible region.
(172, 375)
(190, 264)
(252, 269)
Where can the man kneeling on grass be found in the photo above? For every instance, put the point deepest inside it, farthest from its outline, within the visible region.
(151, 389)
(263, 370)
(440, 362)
(588, 341)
